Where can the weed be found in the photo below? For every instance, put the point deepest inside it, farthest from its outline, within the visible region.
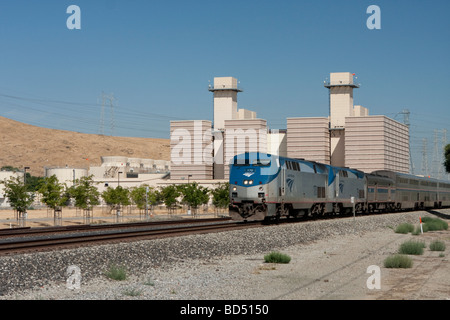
(277, 257)
(437, 246)
(116, 272)
(398, 261)
(412, 247)
(404, 228)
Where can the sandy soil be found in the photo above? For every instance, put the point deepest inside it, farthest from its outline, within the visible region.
(333, 268)
(338, 269)
(73, 216)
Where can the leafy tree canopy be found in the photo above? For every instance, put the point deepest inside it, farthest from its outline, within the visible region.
(53, 192)
(221, 195)
(85, 193)
(447, 158)
(193, 194)
(18, 196)
(116, 197)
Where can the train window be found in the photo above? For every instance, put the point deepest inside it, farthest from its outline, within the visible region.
(241, 161)
(261, 162)
(319, 168)
(296, 166)
(306, 168)
(343, 173)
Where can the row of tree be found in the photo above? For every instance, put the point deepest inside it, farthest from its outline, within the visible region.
(85, 195)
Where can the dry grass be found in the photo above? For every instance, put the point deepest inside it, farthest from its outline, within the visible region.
(35, 147)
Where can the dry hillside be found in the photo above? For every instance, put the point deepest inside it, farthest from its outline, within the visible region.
(26, 145)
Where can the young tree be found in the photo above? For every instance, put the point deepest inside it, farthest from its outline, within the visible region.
(18, 197)
(447, 158)
(169, 195)
(84, 193)
(221, 195)
(116, 198)
(54, 193)
(140, 194)
(137, 195)
(194, 195)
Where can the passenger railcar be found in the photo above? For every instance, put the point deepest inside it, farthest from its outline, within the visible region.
(266, 186)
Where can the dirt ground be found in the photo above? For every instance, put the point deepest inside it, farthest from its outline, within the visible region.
(340, 269)
(330, 269)
(73, 216)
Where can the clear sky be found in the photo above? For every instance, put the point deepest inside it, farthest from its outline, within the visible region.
(157, 57)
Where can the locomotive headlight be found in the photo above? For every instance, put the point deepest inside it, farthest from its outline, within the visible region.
(245, 182)
(234, 188)
(261, 188)
(250, 182)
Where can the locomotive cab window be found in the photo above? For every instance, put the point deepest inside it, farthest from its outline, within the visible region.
(261, 162)
(241, 162)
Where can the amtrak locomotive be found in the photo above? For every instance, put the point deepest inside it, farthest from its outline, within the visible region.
(264, 186)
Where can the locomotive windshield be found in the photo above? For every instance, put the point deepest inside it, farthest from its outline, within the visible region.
(245, 160)
(261, 162)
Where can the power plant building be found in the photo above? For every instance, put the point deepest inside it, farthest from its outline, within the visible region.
(349, 137)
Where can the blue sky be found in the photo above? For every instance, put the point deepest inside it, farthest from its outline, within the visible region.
(157, 57)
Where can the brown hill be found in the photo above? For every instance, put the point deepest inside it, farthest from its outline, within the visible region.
(35, 147)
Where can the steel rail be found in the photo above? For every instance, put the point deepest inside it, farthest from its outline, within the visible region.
(4, 233)
(70, 240)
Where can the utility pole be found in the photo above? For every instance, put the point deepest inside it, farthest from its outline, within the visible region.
(406, 113)
(425, 157)
(435, 170)
(105, 98)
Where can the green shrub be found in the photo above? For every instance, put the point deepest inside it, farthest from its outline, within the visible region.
(398, 261)
(412, 247)
(437, 246)
(277, 257)
(404, 228)
(116, 272)
(434, 224)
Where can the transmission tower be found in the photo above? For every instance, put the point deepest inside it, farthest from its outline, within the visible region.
(105, 98)
(406, 113)
(442, 171)
(425, 157)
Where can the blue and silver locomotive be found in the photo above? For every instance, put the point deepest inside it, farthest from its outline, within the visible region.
(264, 186)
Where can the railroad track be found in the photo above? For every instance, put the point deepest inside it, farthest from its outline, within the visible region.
(26, 231)
(29, 243)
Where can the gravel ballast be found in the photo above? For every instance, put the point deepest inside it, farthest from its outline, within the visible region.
(225, 265)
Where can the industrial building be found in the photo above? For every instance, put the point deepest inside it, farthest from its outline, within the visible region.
(114, 171)
(348, 137)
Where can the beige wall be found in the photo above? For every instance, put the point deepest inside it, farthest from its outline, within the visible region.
(191, 149)
(277, 142)
(241, 136)
(308, 138)
(337, 145)
(246, 114)
(376, 143)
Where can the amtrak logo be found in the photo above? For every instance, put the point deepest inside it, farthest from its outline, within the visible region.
(290, 183)
(249, 174)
